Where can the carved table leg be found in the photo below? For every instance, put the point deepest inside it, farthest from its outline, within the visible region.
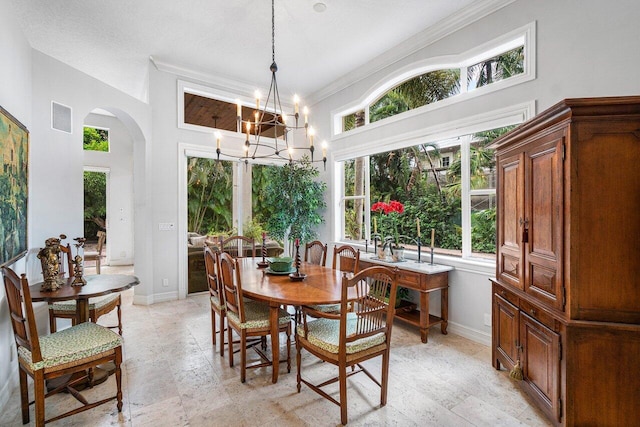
(444, 294)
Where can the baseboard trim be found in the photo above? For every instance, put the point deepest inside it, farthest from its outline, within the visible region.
(155, 298)
(473, 334)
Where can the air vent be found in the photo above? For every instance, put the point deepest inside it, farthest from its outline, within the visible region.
(60, 117)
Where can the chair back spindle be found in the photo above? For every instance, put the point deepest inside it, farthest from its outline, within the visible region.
(238, 246)
(230, 277)
(315, 253)
(346, 258)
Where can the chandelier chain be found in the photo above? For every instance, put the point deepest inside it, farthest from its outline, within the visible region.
(273, 31)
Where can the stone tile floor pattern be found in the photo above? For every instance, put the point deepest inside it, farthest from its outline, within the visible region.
(173, 376)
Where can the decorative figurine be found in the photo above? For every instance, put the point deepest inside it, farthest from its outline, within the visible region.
(78, 280)
(49, 257)
(297, 276)
(264, 263)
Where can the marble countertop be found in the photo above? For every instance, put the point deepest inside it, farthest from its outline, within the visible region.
(411, 265)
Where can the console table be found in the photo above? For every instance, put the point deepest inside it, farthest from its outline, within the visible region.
(424, 278)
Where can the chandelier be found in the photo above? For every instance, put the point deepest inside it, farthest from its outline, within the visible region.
(271, 121)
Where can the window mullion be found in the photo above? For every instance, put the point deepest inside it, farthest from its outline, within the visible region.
(465, 159)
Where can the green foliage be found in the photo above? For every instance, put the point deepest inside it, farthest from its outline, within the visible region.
(349, 122)
(209, 195)
(483, 231)
(497, 68)
(297, 200)
(96, 139)
(261, 210)
(95, 202)
(253, 229)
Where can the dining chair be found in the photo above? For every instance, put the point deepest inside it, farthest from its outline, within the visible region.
(66, 268)
(238, 246)
(348, 338)
(74, 350)
(216, 296)
(346, 258)
(97, 254)
(315, 253)
(98, 306)
(248, 318)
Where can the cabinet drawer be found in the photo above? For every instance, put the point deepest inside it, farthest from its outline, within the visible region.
(409, 279)
(509, 296)
(537, 313)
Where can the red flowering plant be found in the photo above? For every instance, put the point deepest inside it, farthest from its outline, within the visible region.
(391, 210)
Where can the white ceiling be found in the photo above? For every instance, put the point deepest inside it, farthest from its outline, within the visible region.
(113, 40)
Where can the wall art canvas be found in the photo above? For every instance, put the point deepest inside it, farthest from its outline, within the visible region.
(14, 159)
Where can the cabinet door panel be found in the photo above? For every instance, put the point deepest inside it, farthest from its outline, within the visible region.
(505, 331)
(544, 219)
(541, 363)
(510, 218)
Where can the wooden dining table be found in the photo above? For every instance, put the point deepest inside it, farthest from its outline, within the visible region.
(322, 285)
(97, 285)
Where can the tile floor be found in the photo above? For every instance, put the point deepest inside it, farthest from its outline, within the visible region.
(172, 376)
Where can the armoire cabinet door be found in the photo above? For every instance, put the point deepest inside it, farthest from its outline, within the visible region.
(510, 268)
(544, 219)
(505, 330)
(540, 360)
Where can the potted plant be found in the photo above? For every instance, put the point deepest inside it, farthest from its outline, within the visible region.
(391, 210)
(297, 200)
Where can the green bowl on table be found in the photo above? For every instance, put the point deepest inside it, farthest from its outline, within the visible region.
(280, 264)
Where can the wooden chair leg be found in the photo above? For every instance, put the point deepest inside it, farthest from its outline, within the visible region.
(289, 349)
(230, 338)
(118, 374)
(298, 363)
(222, 316)
(24, 395)
(243, 356)
(213, 328)
(384, 378)
(38, 388)
(342, 376)
(118, 310)
(98, 265)
(52, 322)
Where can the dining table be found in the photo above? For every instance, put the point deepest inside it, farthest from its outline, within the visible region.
(322, 285)
(97, 285)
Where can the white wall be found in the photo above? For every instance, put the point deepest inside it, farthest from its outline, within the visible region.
(15, 97)
(119, 162)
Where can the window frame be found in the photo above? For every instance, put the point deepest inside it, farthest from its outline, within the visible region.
(511, 115)
(523, 36)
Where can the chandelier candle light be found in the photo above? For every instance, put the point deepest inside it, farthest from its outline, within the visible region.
(273, 119)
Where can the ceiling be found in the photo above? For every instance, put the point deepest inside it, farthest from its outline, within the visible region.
(114, 40)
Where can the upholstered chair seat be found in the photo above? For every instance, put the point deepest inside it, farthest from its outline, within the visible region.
(80, 342)
(325, 334)
(257, 316)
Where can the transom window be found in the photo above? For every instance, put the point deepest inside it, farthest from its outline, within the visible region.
(500, 63)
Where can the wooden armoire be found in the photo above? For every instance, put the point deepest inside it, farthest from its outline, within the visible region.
(566, 296)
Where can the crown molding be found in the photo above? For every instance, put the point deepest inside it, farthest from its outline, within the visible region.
(216, 81)
(447, 26)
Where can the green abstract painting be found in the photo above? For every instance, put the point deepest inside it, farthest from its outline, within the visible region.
(14, 159)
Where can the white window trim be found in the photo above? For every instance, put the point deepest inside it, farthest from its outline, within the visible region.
(523, 36)
(108, 138)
